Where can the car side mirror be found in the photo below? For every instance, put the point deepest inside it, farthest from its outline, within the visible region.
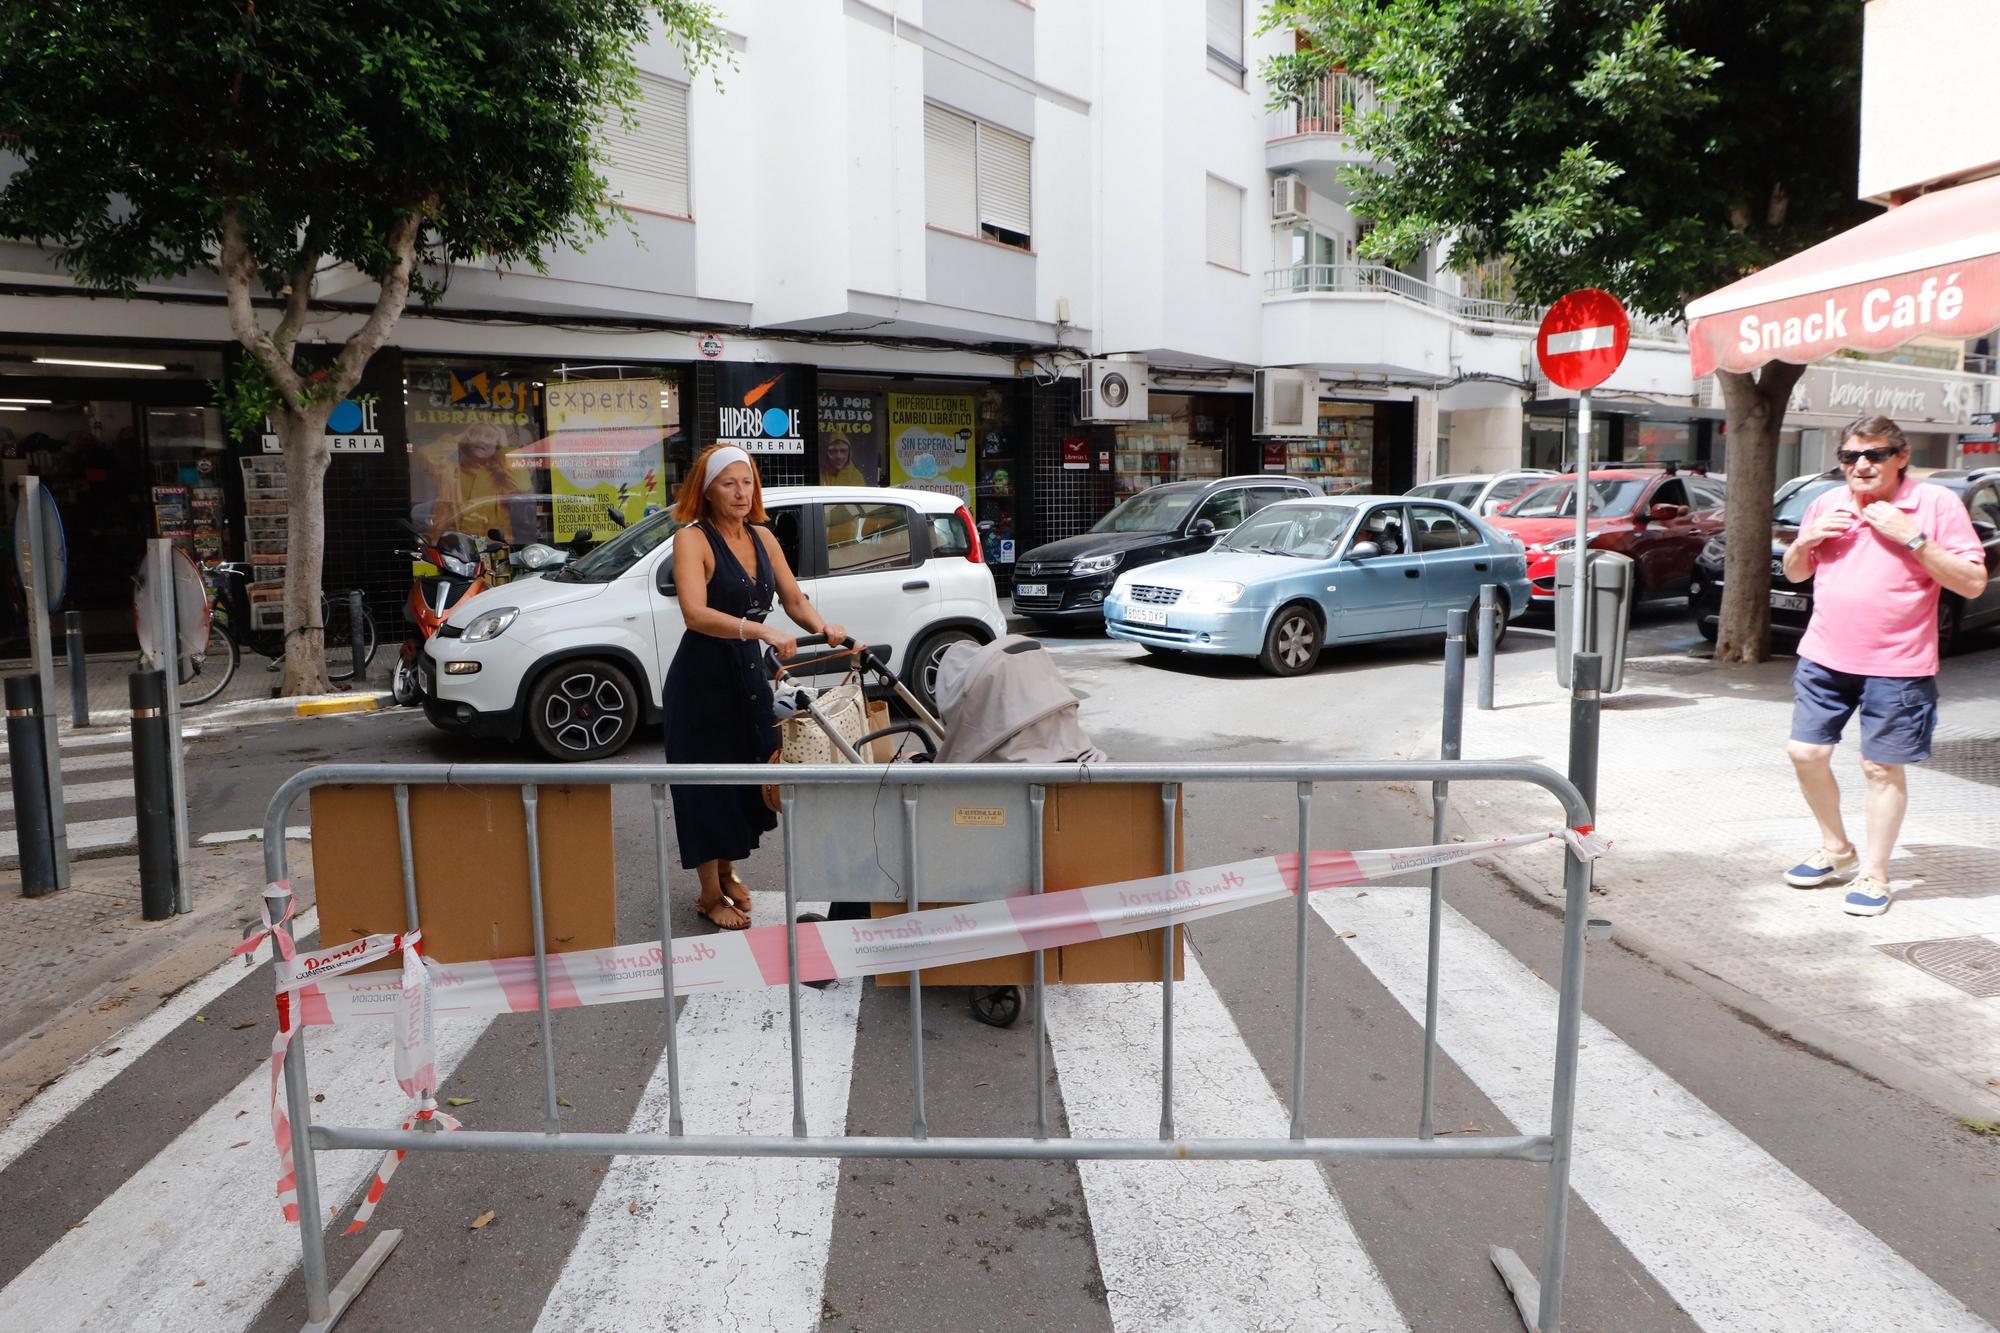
(1664, 513)
(663, 577)
(1363, 551)
(1202, 528)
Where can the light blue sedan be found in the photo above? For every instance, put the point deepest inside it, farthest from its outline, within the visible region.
(1301, 573)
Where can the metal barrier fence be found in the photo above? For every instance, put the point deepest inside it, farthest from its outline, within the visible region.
(1538, 1302)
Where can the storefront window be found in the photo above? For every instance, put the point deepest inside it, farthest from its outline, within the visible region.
(539, 452)
(1341, 458)
(1184, 439)
(1659, 442)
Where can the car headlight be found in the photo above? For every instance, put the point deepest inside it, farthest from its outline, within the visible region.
(1214, 594)
(1558, 546)
(1713, 550)
(491, 624)
(1095, 564)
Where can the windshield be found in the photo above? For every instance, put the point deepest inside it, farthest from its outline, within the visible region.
(1307, 531)
(1794, 507)
(1458, 492)
(1611, 497)
(1157, 510)
(619, 554)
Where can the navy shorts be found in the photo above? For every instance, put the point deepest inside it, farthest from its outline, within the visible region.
(1898, 713)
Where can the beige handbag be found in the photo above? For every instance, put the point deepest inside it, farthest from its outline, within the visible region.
(803, 739)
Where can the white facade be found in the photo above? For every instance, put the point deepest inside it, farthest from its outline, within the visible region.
(1930, 102)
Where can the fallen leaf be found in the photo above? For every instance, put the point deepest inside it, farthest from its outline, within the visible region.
(980, 1084)
(240, 1143)
(74, 1225)
(202, 1283)
(564, 1101)
(479, 1222)
(632, 1208)
(319, 1096)
(241, 1114)
(240, 1026)
(460, 1101)
(201, 1018)
(1347, 934)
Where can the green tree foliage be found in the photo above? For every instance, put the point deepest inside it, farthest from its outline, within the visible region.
(1658, 150)
(265, 144)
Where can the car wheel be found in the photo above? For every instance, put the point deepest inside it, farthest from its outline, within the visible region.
(586, 709)
(1292, 643)
(1950, 612)
(920, 673)
(404, 684)
(1710, 629)
(1500, 609)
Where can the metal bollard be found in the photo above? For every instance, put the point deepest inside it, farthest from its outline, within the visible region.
(27, 758)
(1448, 748)
(1584, 712)
(153, 794)
(355, 611)
(1488, 632)
(79, 673)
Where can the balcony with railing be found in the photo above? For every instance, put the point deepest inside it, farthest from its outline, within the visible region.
(1318, 127)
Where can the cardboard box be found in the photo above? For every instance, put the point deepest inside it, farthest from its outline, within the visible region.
(470, 852)
(1098, 833)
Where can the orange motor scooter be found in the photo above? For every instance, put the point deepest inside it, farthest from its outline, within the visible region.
(444, 573)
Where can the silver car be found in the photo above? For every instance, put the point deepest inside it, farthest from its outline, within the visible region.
(1483, 493)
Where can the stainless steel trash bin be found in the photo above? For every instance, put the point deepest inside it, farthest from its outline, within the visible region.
(1611, 614)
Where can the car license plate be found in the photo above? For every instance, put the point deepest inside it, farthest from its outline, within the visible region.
(1146, 615)
(1031, 590)
(1789, 601)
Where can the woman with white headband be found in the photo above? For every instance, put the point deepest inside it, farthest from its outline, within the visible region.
(728, 568)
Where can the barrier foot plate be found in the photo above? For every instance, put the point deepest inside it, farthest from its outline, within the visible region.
(1520, 1282)
(357, 1277)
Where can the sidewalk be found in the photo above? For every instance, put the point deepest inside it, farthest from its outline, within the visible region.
(80, 966)
(248, 696)
(1695, 790)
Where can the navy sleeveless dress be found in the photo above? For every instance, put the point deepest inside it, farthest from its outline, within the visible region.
(719, 711)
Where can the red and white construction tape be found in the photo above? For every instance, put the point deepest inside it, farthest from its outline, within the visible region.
(314, 992)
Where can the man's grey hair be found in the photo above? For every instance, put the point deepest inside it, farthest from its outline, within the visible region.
(1875, 428)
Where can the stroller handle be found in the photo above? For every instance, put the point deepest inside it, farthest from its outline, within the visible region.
(852, 651)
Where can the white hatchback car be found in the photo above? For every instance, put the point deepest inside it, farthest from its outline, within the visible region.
(1484, 493)
(575, 660)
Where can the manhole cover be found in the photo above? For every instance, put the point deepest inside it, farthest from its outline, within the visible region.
(1971, 963)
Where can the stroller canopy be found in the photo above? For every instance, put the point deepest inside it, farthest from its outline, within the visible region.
(1005, 703)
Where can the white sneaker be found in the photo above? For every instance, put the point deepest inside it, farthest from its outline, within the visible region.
(1867, 897)
(1823, 867)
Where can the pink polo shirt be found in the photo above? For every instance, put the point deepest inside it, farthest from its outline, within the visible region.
(1874, 605)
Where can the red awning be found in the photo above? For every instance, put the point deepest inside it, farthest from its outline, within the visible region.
(1931, 266)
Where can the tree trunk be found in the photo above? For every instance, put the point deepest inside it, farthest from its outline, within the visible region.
(303, 435)
(1755, 407)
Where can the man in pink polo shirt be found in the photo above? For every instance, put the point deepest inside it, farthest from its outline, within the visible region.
(1878, 552)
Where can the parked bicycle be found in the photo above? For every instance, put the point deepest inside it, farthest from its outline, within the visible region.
(231, 629)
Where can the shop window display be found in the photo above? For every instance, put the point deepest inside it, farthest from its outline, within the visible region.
(1177, 442)
(1341, 458)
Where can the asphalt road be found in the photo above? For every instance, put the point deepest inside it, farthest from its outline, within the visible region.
(1734, 1180)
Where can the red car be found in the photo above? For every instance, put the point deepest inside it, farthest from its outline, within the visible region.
(1660, 517)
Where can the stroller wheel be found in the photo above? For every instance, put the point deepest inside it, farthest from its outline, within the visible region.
(997, 1007)
(803, 918)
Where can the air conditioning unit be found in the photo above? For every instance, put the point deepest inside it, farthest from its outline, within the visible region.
(1288, 199)
(1286, 403)
(1114, 389)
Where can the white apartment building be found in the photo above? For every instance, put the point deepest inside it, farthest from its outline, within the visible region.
(896, 242)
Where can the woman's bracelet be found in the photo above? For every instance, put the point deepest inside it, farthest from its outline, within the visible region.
(740, 624)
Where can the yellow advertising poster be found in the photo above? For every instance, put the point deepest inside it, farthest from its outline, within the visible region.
(605, 452)
(930, 443)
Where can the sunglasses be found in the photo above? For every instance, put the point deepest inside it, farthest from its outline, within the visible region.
(1849, 457)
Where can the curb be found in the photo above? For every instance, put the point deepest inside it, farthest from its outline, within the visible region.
(365, 703)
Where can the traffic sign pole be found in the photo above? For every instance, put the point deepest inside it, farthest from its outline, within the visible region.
(35, 580)
(1582, 339)
(1579, 631)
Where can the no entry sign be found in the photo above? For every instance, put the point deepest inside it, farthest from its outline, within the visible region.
(1583, 338)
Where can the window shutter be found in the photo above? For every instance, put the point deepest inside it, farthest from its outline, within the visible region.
(1004, 190)
(949, 187)
(1225, 29)
(648, 167)
(1225, 224)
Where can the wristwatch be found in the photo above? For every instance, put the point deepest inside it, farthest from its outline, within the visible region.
(1917, 543)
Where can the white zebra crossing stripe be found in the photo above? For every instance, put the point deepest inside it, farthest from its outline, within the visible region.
(722, 1243)
(202, 1209)
(117, 1052)
(1202, 1245)
(83, 793)
(84, 836)
(1725, 1228)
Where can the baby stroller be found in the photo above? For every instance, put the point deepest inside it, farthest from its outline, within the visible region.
(1002, 703)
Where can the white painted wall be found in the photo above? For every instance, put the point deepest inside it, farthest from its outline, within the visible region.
(1930, 95)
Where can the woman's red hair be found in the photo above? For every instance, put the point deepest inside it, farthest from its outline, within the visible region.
(691, 500)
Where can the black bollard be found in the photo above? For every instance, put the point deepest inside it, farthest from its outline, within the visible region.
(27, 759)
(355, 612)
(152, 790)
(79, 673)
